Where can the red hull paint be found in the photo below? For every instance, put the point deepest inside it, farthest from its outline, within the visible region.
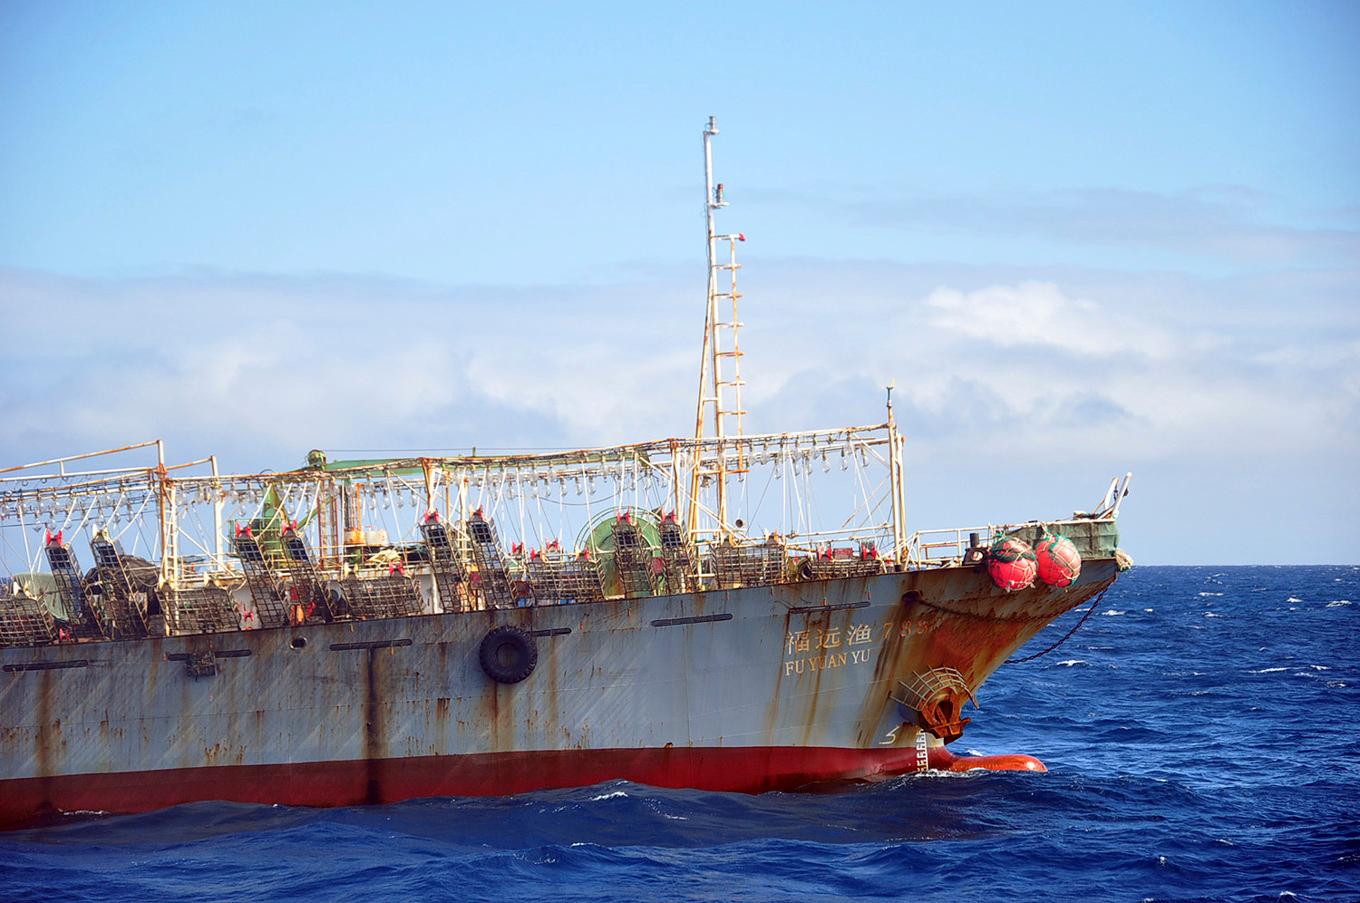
(28, 801)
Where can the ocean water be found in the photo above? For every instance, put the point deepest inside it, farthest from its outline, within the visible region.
(1201, 731)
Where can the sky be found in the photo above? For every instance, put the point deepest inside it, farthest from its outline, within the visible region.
(1083, 239)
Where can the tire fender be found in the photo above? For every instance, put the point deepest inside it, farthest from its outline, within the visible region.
(508, 654)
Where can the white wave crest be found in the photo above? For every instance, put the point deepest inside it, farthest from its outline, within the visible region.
(1338, 603)
(936, 774)
(1072, 661)
(1293, 599)
(1267, 670)
(608, 796)
(1111, 611)
(1211, 594)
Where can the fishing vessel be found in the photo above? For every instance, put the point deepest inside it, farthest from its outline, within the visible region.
(726, 610)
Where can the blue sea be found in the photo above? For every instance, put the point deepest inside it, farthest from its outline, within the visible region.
(1200, 730)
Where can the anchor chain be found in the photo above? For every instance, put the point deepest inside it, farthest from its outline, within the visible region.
(1095, 601)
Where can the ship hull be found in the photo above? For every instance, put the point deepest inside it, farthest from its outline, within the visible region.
(363, 782)
(750, 689)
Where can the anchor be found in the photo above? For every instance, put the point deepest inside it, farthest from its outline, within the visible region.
(934, 700)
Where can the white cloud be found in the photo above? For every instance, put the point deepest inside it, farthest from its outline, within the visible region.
(1001, 376)
(1124, 368)
(1040, 314)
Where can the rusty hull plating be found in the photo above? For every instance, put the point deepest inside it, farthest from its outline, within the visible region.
(748, 690)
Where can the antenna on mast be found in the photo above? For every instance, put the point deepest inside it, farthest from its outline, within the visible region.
(895, 478)
(720, 379)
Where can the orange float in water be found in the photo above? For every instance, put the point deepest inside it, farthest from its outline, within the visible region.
(1011, 563)
(941, 759)
(1058, 559)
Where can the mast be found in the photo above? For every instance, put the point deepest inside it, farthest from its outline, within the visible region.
(720, 379)
(165, 515)
(895, 478)
(219, 559)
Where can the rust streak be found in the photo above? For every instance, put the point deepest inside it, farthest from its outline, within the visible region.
(554, 715)
(772, 710)
(823, 621)
(887, 666)
(375, 740)
(43, 738)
